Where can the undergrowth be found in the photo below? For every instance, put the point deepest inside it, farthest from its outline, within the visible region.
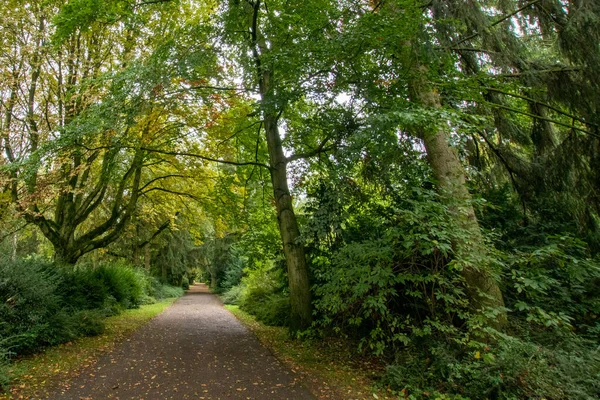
(43, 305)
(32, 375)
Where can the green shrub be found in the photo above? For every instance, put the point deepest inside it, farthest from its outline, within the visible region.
(122, 282)
(508, 369)
(86, 323)
(30, 309)
(42, 304)
(273, 309)
(146, 299)
(110, 286)
(397, 284)
(154, 288)
(82, 289)
(232, 296)
(185, 283)
(4, 367)
(555, 286)
(168, 291)
(263, 295)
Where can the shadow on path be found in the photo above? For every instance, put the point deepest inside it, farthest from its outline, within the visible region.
(196, 349)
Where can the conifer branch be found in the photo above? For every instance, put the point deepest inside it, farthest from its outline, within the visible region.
(508, 16)
(540, 103)
(541, 118)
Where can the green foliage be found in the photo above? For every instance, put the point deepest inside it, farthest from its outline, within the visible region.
(79, 15)
(555, 286)
(262, 293)
(185, 283)
(82, 289)
(42, 304)
(31, 313)
(397, 284)
(4, 366)
(507, 369)
(158, 290)
(385, 275)
(122, 282)
(86, 288)
(232, 296)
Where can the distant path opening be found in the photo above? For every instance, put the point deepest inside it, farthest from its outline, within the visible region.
(196, 349)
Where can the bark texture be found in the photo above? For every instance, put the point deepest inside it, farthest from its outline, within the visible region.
(448, 171)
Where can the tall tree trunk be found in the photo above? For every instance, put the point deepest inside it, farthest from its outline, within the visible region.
(297, 267)
(483, 289)
(135, 256)
(147, 258)
(15, 246)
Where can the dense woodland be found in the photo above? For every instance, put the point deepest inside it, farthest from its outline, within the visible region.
(419, 178)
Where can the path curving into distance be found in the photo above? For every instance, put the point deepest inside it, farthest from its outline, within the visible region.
(195, 349)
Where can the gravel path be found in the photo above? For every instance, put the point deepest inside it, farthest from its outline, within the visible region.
(196, 349)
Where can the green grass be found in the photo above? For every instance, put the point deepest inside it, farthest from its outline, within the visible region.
(329, 367)
(31, 376)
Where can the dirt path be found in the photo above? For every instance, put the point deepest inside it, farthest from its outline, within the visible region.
(194, 350)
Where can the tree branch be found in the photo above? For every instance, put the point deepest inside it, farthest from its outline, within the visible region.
(161, 228)
(540, 103)
(317, 151)
(175, 192)
(540, 118)
(194, 155)
(163, 177)
(508, 16)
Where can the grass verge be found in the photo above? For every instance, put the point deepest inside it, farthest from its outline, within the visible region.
(33, 376)
(328, 367)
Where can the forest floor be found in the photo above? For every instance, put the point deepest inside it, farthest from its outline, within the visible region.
(196, 349)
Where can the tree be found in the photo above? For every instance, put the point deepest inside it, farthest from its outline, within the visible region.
(81, 117)
(266, 37)
(400, 77)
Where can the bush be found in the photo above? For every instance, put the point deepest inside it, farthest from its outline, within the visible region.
(109, 287)
(82, 289)
(263, 294)
(122, 282)
(30, 309)
(42, 304)
(232, 296)
(4, 366)
(397, 284)
(85, 323)
(555, 286)
(185, 283)
(509, 369)
(274, 309)
(154, 288)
